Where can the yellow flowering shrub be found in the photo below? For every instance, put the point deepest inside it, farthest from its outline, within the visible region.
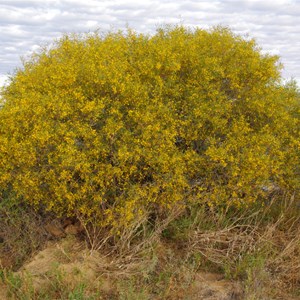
(110, 125)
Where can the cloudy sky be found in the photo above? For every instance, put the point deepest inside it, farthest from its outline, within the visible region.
(25, 25)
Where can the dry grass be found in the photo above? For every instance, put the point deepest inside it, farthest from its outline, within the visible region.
(131, 251)
(162, 258)
(254, 249)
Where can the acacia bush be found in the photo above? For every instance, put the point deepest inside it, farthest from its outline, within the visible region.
(114, 125)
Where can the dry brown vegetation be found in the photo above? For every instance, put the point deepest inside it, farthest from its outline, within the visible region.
(201, 253)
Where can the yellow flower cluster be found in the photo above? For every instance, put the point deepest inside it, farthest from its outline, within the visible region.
(110, 126)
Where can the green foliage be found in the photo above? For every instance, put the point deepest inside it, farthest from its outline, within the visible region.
(21, 287)
(129, 289)
(110, 126)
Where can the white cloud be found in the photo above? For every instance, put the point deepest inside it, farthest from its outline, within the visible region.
(26, 24)
(3, 79)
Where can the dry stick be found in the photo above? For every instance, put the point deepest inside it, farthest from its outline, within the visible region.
(94, 237)
(129, 259)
